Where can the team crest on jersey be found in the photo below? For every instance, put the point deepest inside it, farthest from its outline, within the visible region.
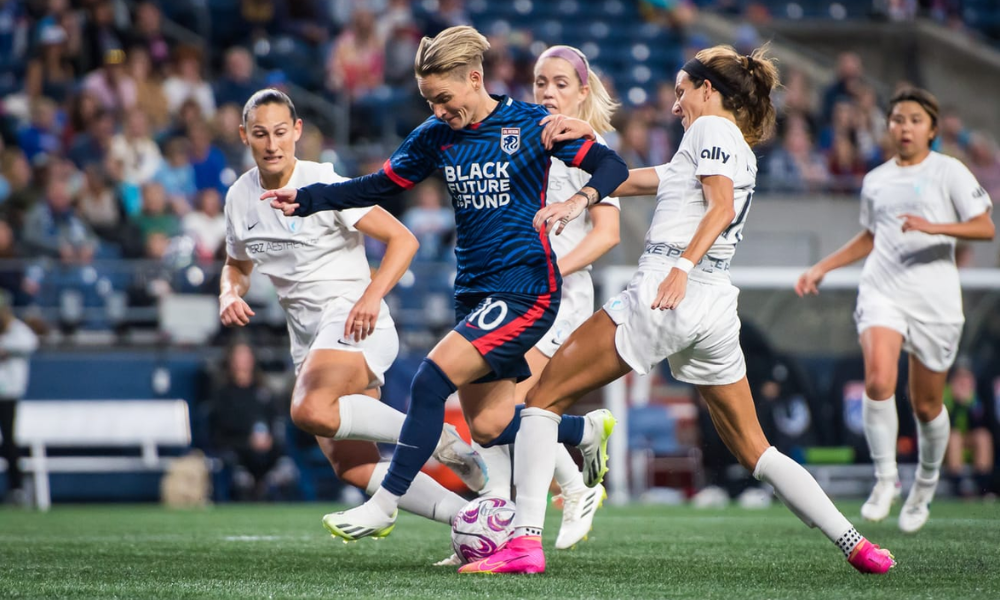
(510, 139)
(294, 223)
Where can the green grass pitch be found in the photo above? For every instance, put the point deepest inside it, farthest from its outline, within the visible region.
(266, 551)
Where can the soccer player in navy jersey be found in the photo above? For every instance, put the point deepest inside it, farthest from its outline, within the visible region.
(507, 288)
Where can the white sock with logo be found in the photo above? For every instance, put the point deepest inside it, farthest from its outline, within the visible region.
(366, 418)
(881, 430)
(425, 497)
(534, 462)
(801, 494)
(497, 459)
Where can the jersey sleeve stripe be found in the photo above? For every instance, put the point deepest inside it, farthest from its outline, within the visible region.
(395, 177)
(513, 329)
(544, 234)
(582, 153)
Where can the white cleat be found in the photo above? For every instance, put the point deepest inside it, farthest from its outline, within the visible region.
(595, 454)
(451, 561)
(453, 452)
(916, 509)
(879, 503)
(359, 522)
(578, 515)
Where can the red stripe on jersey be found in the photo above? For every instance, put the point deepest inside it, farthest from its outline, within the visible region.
(581, 153)
(515, 328)
(395, 177)
(544, 234)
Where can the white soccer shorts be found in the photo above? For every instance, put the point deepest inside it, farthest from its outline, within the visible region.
(576, 306)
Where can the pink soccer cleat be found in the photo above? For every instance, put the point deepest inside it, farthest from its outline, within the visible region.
(519, 555)
(869, 558)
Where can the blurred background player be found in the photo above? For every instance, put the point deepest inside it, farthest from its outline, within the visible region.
(680, 306)
(507, 287)
(17, 343)
(342, 336)
(566, 85)
(913, 209)
(970, 431)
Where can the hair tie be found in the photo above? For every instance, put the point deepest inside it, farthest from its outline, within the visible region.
(750, 63)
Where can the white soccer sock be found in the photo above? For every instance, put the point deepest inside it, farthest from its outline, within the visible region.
(497, 459)
(425, 497)
(534, 462)
(366, 418)
(568, 475)
(801, 494)
(932, 441)
(384, 501)
(881, 430)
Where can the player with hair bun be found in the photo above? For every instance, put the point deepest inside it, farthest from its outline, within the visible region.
(913, 209)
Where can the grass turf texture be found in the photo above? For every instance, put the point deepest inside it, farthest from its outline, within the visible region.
(265, 551)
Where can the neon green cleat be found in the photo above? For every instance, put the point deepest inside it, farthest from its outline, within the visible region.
(595, 454)
(359, 522)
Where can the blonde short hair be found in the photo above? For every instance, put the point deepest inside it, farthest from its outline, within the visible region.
(453, 49)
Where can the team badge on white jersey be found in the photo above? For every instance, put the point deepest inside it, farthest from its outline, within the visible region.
(510, 139)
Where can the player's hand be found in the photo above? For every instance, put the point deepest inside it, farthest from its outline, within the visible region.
(916, 223)
(671, 291)
(558, 215)
(234, 311)
(283, 199)
(363, 317)
(808, 282)
(559, 128)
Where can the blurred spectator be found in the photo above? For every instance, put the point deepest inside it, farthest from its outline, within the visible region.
(83, 108)
(356, 64)
(149, 88)
(206, 225)
(100, 35)
(953, 138)
(17, 343)
(41, 135)
(849, 74)
(237, 83)
(21, 195)
(176, 175)
(147, 34)
(53, 229)
(98, 205)
(207, 160)
(186, 82)
(189, 117)
(246, 430)
(795, 166)
(50, 71)
(305, 20)
(449, 13)
(13, 45)
(13, 278)
(94, 145)
(634, 148)
(871, 126)
(431, 221)
(228, 119)
(111, 84)
(139, 154)
(845, 165)
(984, 162)
(398, 28)
(155, 216)
(311, 144)
(970, 430)
(843, 123)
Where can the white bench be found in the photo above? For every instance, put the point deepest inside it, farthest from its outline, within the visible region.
(144, 424)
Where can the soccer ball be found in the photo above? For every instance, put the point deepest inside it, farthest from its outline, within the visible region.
(481, 527)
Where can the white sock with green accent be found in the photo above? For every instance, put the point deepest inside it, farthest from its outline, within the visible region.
(932, 441)
(568, 475)
(801, 494)
(497, 459)
(366, 418)
(534, 461)
(881, 430)
(425, 497)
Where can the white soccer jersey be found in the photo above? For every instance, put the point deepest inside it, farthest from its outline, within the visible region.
(915, 269)
(564, 181)
(310, 260)
(711, 146)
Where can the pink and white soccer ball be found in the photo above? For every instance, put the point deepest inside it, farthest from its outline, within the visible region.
(481, 527)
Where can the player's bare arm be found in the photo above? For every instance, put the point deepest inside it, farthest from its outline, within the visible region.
(980, 227)
(859, 247)
(233, 310)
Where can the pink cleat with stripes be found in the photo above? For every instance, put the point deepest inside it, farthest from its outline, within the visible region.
(869, 558)
(519, 555)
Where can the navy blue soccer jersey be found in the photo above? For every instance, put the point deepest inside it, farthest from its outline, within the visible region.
(497, 173)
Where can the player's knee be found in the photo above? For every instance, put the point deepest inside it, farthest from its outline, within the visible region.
(926, 411)
(880, 383)
(312, 414)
